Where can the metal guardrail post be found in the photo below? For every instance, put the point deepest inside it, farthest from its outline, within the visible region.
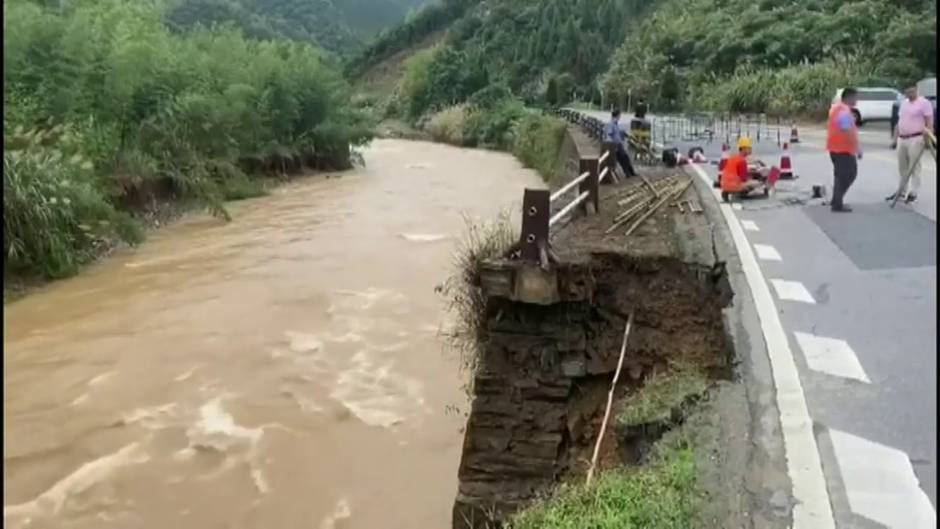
(590, 184)
(535, 215)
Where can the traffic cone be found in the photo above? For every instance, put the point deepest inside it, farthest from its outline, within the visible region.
(794, 134)
(786, 168)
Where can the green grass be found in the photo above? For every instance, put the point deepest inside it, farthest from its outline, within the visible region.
(661, 496)
(662, 393)
(463, 290)
(243, 187)
(537, 139)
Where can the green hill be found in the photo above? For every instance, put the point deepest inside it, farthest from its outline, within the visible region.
(335, 25)
(777, 55)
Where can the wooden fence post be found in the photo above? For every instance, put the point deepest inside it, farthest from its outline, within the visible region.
(592, 204)
(611, 161)
(536, 204)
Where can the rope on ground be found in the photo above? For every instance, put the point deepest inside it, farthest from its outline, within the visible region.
(610, 400)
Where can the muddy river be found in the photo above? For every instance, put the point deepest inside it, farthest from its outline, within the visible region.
(280, 371)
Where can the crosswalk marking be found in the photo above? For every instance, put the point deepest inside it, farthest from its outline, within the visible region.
(766, 252)
(880, 483)
(792, 291)
(831, 356)
(749, 225)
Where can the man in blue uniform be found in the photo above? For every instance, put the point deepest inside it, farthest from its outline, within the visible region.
(614, 135)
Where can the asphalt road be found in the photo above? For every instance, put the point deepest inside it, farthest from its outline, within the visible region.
(856, 296)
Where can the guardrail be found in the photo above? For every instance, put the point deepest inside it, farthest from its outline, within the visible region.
(690, 127)
(709, 127)
(543, 210)
(641, 144)
(537, 206)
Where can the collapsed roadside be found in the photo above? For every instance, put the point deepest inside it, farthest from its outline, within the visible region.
(694, 434)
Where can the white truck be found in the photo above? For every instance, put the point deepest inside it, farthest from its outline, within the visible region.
(874, 104)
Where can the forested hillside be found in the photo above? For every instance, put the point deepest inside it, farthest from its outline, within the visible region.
(106, 110)
(336, 25)
(523, 44)
(774, 55)
(780, 56)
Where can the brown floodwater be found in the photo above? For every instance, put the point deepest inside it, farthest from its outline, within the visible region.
(283, 370)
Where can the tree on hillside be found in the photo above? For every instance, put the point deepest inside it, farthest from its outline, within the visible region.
(719, 43)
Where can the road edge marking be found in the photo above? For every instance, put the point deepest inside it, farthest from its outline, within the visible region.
(813, 509)
(881, 484)
(832, 356)
(788, 290)
(766, 252)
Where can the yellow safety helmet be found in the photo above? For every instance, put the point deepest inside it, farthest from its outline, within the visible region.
(744, 143)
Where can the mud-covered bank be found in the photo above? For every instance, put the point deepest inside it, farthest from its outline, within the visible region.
(545, 370)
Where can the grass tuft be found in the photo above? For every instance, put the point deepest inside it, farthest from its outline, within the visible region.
(661, 395)
(464, 293)
(537, 141)
(661, 496)
(447, 126)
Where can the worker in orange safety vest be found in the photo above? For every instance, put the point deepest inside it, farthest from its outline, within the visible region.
(735, 175)
(842, 144)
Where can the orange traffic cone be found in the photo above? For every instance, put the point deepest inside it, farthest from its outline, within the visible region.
(794, 134)
(786, 167)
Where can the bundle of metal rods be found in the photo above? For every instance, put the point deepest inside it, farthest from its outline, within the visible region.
(641, 201)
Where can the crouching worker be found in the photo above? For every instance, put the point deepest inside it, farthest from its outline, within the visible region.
(735, 176)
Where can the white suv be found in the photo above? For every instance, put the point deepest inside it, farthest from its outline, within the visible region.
(874, 104)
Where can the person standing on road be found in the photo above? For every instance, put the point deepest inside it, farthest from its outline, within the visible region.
(613, 136)
(842, 144)
(914, 115)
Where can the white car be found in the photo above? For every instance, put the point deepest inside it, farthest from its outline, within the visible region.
(874, 104)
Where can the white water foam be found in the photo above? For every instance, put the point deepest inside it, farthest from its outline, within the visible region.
(355, 300)
(303, 342)
(185, 376)
(216, 430)
(424, 237)
(79, 400)
(151, 418)
(374, 394)
(96, 381)
(340, 512)
(53, 500)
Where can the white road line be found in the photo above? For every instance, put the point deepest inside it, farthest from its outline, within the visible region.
(812, 510)
(831, 356)
(792, 291)
(880, 483)
(749, 225)
(767, 253)
(737, 206)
